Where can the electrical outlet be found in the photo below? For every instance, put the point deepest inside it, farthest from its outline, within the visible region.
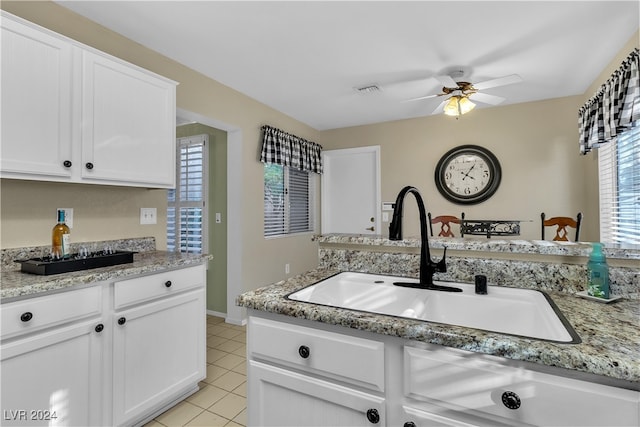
(286, 269)
(218, 217)
(68, 216)
(148, 216)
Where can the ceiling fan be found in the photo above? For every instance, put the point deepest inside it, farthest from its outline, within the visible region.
(461, 93)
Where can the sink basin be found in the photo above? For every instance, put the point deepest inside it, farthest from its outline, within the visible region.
(523, 312)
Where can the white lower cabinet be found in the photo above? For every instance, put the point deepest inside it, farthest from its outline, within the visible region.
(55, 377)
(409, 384)
(52, 352)
(109, 354)
(288, 398)
(300, 376)
(158, 353)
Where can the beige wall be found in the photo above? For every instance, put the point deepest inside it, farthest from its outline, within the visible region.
(536, 144)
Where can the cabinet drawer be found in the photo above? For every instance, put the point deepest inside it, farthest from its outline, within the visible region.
(477, 383)
(41, 312)
(355, 360)
(134, 291)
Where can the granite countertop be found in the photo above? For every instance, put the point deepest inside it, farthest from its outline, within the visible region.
(610, 333)
(513, 246)
(15, 285)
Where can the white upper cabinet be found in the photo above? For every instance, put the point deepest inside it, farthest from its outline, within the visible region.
(36, 102)
(73, 114)
(128, 123)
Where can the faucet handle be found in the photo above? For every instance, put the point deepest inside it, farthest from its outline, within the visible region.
(441, 266)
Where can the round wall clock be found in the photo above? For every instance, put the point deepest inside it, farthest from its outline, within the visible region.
(468, 174)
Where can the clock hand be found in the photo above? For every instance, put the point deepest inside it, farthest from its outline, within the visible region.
(468, 172)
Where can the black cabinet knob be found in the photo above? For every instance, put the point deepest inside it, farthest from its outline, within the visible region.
(304, 351)
(67, 163)
(168, 283)
(373, 416)
(409, 424)
(99, 327)
(25, 317)
(89, 165)
(511, 400)
(122, 321)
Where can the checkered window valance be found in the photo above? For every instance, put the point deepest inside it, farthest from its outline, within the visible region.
(614, 108)
(284, 149)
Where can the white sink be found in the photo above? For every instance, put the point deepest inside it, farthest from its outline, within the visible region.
(524, 312)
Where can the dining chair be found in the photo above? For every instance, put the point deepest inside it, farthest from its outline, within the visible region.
(445, 222)
(561, 223)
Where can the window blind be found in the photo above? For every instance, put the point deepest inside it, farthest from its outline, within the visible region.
(185, 211)
(287, 201)
(619, 175)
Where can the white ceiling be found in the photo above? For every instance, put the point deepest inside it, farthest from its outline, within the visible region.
(305, 58)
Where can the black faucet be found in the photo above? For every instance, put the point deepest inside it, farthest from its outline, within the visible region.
(427, 266)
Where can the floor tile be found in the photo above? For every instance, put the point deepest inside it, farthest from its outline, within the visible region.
(215, 354)
(241, 390)
(229, 381)
(207, 396)
(209, 419)
(229, 406)
(229, 361)
(230, 346)
(180, 414)
(213, 373)
(241, 368)
(241, 418)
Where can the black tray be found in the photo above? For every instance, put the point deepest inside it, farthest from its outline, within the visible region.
(46, 266)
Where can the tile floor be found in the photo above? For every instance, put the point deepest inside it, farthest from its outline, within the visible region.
(221, 400)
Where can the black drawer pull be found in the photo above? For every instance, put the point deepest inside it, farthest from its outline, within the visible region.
(373, 416)
(67, 163)
(168, 283)
(89, 165)
(99, 327)
(409, 424)
(511, 400)
(304, 351)
(122, 321)
(25, 317)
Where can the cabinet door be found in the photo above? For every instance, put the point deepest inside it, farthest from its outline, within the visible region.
(36, 103)
(54, 378)
(279, 397)
(128, 127)
(159, 354)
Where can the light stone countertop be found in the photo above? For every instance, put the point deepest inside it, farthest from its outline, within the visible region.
(15, 285)
(610, 333)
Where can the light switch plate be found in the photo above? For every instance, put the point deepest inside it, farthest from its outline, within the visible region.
(148, 216)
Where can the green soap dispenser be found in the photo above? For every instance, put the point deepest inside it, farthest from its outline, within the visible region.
(598, 273)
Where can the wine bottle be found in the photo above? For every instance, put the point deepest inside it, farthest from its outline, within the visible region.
(60, 238)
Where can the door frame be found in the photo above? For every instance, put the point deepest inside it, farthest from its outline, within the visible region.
(325, 206)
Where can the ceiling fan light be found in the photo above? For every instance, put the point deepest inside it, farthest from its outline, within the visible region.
(451, 107)
(458, 105)
(466, 105)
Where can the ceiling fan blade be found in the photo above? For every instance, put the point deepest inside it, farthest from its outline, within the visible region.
(447, 81)
(500, 81)
(439, 107)
(486, 98)
(422, 97)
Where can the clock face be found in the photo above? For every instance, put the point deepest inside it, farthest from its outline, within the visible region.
(468, 174)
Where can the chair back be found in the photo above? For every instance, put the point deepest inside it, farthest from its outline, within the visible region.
(561, 223)
(445, 222)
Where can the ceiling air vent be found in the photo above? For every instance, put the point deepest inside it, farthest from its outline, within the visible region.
(369, 89)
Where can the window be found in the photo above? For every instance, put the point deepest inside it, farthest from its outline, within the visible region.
(287, 201)
(619, 173)
(186, 216)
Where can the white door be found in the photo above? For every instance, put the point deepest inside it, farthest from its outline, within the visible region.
(351, 200)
